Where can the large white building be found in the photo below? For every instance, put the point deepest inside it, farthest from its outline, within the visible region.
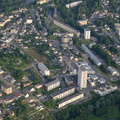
(63, 93)
(87, 33)
(73, 4)
(92, 56)
(67, 28)
(43, 69)
(82, 77)
(70, 99)
(42, 1)
(105, 90)
(113, 71)
(52, 85)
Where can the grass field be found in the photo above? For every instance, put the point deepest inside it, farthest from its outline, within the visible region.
(32, 52)
(113, 114)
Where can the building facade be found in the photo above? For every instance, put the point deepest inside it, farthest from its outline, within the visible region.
(6, 89)
(67, 28)
(52, 85)
(43, 69)
(82, 77)
(63, 93)
(87, 33)
(70, 99)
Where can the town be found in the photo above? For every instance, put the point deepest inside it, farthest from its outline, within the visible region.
(47, 64)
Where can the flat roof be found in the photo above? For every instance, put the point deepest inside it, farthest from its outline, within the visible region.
(52, 82)
(95, 59)
(68, 98)
(62, 91)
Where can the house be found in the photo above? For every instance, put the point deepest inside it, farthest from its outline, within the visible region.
(32, 104)
(6, 89)
(38, 86)
(31, 89)
(12, 113)
(1, 94)
(1, 118)
(25, 94)
(1, 71)
(29, 100)
(39, 94)
(105, 90)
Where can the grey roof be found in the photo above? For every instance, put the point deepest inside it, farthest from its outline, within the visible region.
(95, 59)
(52, 82)
(62, 91)
(68, 98)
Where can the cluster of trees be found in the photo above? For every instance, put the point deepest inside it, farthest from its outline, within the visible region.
(8, 5)
(50, 103)
(105, 20)
(113, 6)
(106, 40)
(103, 54)
(72, 14)
(17, 74)
(97, 106)
(113, 49)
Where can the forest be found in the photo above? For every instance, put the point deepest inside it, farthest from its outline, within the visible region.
(98, 108)
(9, 5)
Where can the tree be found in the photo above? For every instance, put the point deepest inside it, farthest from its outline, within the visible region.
(18, 74)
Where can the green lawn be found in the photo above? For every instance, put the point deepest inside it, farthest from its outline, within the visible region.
(113, 114)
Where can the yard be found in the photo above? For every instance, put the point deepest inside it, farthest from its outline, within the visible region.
(32, 52)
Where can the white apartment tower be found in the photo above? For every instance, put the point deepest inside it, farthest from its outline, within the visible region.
(82, 77)
(87, 33)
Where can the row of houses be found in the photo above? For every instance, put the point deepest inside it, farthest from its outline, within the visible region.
(102, 91)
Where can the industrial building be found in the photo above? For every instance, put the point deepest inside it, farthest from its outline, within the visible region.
(70, 99)
(52, 85)
(82, 77)
(87, 33)
(113, 71)
(92, 56)
(73, 4)
(45, 71)
(63, 93)
(6, 89)
(67, 28)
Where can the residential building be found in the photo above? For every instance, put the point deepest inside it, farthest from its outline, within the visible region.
(66, 39)
(87, 33)
(42, 1)
(73, 4)
(92, 56)
(82, 22)
(66, 27)
(6, 89)
(101, 80)
(70, 99)
(43, 69)
(1, 71)
(105, 90)
(117, 27)
(63, 93)
(113, 71)
(52, 85)
(82, 77)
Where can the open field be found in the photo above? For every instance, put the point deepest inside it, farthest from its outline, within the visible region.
(31, 52)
